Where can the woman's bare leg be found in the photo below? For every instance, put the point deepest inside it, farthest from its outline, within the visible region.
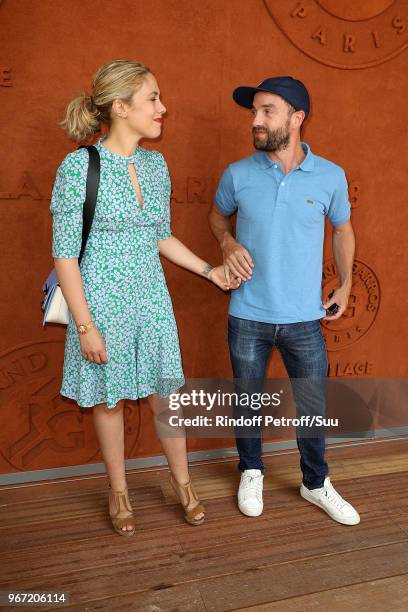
(110, 431)
(175, 447)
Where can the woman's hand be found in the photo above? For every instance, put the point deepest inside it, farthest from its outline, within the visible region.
(93, 346)
(217, 276)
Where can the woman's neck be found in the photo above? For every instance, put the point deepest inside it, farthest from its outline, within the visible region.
(122, 144)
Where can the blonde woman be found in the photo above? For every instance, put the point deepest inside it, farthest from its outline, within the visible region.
(122, 341)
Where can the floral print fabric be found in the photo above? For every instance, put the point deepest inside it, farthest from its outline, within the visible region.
(122, 275)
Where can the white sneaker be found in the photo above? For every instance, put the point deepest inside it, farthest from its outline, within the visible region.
(331, 502)
(250, 492)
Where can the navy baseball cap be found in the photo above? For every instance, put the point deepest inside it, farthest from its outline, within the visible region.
(290, 89)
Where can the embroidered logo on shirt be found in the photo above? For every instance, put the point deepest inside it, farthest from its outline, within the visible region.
(310, 201)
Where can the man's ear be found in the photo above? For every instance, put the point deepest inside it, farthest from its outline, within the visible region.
(299, 117)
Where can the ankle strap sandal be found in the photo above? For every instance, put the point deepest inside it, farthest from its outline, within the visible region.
(119, 503)
(187, 494)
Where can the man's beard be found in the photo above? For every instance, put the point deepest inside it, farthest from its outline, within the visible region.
(276, 140)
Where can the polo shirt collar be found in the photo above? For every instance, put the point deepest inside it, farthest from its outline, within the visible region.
(307, 164)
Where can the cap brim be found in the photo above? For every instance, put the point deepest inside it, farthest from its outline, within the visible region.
(244, 96)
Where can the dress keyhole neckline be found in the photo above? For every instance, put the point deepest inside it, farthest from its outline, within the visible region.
(137, 188)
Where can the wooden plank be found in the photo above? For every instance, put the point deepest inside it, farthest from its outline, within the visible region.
(144, 550)
(219, 512)
(66, 540)
(81, 504)
(243, 587)
(264, 542)
(373, 596)
(60, 523)
(185, 598)
(82, 528)
(277, 544)
(288, 580)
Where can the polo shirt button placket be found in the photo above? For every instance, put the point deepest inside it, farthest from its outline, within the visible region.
(282, 192)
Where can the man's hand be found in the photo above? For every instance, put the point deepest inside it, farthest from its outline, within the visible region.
(341, 298)
(236, 260)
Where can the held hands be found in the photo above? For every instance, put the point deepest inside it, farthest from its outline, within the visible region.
(93, 346)
(237, 260)
(218, 277)
(339, 297)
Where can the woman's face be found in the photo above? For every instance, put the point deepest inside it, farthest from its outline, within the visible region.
(145, 112)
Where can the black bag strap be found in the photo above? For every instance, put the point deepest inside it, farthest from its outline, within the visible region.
(92, 186)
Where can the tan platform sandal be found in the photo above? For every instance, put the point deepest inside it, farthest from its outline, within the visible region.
(118, 500)
(186, 494)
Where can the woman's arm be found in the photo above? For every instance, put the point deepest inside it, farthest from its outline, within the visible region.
(66, 205)
(92, 343)
(176, 252)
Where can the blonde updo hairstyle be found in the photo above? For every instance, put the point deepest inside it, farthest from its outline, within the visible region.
(85, 113)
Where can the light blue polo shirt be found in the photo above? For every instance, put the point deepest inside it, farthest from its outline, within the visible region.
(280, 221)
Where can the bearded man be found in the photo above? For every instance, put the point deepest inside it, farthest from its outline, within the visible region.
(282, 194)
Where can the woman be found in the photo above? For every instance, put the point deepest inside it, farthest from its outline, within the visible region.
(122, 341)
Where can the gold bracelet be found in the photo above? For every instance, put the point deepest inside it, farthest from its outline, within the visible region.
(83, 328)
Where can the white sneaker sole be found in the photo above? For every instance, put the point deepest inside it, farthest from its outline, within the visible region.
(342, 520)
(249, 512)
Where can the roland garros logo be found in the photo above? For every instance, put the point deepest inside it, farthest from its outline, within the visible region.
(362, 310)
(344, 33)
(38, 427)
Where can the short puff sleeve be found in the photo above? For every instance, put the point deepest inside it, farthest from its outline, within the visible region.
(68, 196)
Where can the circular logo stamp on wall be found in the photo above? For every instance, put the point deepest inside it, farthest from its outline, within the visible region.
(39, 428)
(344, 33)
(362, 308)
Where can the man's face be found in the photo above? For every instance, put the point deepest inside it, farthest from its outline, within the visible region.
(271, 127)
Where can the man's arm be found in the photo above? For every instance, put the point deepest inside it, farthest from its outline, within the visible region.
(343, 251)
(236, 258)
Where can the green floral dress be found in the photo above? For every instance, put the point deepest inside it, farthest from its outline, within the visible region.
(122, 275)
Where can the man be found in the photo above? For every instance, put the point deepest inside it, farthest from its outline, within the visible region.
(282, 194)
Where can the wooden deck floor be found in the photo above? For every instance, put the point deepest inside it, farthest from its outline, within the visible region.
(56, 537)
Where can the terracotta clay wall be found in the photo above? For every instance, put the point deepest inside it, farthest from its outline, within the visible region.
(351, 56)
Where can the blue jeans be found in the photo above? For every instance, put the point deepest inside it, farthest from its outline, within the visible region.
(303, 352)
